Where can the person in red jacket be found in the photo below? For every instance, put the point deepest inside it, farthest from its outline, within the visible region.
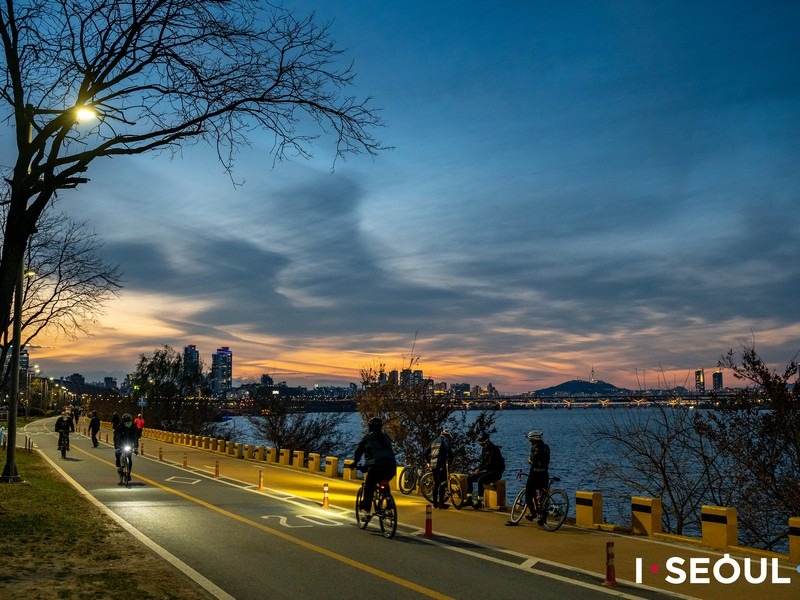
(139, 424)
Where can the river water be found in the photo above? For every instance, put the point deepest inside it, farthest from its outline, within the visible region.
(567, 432)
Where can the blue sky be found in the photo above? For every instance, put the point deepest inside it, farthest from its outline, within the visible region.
(572, 185)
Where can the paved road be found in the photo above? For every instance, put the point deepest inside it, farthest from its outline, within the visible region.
(241, 543)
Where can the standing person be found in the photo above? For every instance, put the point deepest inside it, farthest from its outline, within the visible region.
(538, 473)
(125, 435)
(139, 422)
(438, 456)
(376, 448)
(114, 421)
(490, 469)
(94, 428)
(76, 414)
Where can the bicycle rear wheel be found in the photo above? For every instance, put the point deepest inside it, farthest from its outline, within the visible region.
(362, 523)
(519, 507)
(388, 514)
(556, 506)
(408, 480)
(426, 486)
(456, 492)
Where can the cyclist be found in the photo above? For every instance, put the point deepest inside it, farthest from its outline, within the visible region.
(125, 434)
(438, 456)
(63, 426)
(490, 469)
(538, 473)
(376, 448)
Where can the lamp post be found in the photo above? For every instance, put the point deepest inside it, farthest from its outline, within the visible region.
(10, 474)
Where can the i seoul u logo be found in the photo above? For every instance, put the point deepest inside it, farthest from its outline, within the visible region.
(725, 570)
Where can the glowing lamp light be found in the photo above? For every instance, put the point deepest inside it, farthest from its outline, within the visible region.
(86, 113)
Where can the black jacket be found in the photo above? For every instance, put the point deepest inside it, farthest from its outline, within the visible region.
(376, 448)
(492, 459)
(124, 435)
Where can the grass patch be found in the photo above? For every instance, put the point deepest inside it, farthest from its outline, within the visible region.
(57, 544)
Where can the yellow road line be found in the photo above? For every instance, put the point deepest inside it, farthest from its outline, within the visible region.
(285, 536)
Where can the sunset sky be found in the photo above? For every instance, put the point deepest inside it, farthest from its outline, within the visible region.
(573, 185)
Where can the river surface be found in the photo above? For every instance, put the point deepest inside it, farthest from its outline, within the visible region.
(568, 433)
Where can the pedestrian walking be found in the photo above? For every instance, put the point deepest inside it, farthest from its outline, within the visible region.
(94, 428)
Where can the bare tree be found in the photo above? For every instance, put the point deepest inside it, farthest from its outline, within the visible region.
(70, 282)
(177, 400)
(757, 433)
(413, 417)
(656, 452)
(292, 428)
(160, 74)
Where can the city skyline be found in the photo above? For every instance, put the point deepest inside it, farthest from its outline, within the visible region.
(577, 186)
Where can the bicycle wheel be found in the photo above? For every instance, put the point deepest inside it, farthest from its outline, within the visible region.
(126, 471)
(388, 515)
(456, 493)
(408, 480)
(426, 486)
(556, 506)
(362, 523)
(519, 507)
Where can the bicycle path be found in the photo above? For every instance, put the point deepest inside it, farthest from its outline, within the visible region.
(640, 563)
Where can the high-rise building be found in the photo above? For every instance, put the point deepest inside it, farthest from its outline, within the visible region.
(700, 381)
(717, 379)
(191, 361)
(221, 370)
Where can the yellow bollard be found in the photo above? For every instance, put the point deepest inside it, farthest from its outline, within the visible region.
(260, 480)
(216, 469)
(160, 454)
(185, 461)
(325, 496)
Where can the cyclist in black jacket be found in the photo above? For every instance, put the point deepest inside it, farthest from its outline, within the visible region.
(538, 473)
(376, 448)
(125, 434)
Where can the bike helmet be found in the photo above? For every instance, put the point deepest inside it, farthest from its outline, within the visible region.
(535, 435)
(126, 418)
(483, 438)
(374, 424)
(446, 433)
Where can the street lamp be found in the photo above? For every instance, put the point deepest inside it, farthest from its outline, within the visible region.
(10, 474)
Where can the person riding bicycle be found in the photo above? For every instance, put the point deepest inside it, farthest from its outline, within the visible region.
(63, 426)
(125, 434)
(538, 473)
(438, 456)
(490, 469)
(376, 448)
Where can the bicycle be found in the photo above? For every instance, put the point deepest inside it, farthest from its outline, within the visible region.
(63, 443)
(409, 477)
(383, 506)
(552, 506)
(453, 490)
(126, 464)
